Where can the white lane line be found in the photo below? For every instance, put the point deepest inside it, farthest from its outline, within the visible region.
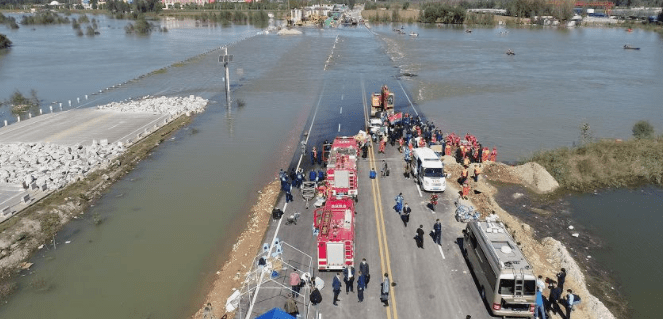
(442, 253)
(342, 96)
(339, 127)
(419, 190)
(341, 111)
(115, 125)
(278, 227)
(408, 98)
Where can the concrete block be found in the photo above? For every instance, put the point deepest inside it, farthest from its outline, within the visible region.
(7, 211)
(103, 142)
(43, 187)
(34, 186)
(25, 198)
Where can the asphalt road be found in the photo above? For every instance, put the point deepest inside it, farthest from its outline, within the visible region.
(433, 282)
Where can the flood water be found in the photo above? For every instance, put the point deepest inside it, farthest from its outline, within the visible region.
(169, 223)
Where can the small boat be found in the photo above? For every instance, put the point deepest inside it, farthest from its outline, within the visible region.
(628, 47)
(510, 52)
(629, 30)
(468, 31)
(412, 34)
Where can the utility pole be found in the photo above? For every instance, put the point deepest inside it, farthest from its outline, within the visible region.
(225, 59)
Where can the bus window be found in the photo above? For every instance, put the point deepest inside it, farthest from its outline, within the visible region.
(434, 172)
(530, 287)
(507, 286)
(473, 240)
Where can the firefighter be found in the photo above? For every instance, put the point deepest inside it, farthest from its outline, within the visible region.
(475, 154)
(466, 189)
(493, 155)
(447, 149)
(383, 143)
(466, 161)
(314, 155)
(422, 142)
(401, 142)
(462, 151)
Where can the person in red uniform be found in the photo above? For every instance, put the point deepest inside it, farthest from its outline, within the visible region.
(493, 154)
(383, 143)
(401, 141)
(485, 155)
(466, 189)
(447, 149)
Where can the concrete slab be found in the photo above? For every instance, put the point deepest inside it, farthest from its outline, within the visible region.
(81, 126)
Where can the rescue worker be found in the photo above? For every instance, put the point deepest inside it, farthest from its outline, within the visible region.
(385, 169)
(493, 155)
(485, 155)
(399, 202)
(477, 172)
(288, 193)
(466, 161)
(300, 177)
(383, 143)
(466, 189)
(463, 175)
(433, 201)
(401, 142)
(437, 232)
(447, 149)
(312, 176)
(314, 155)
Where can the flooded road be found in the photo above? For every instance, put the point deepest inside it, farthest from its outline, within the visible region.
(168, 224)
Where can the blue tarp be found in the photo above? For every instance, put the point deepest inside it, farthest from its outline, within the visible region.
(275, 313)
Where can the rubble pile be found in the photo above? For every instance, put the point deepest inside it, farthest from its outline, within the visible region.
(159, 105)
(52, 166)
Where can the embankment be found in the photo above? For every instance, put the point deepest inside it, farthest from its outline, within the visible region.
(37, 224)
(231, 275)
(604, 164)
(548, 255)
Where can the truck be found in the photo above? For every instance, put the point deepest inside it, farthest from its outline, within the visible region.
(342, 178)
(428, 170)
(382, 102)
(335, 227)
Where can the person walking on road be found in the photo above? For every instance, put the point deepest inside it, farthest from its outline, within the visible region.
(315, 298)
(314, 155)
(384, 290)
(405, 215)
(420, 236)
(437, 227)
(336, 285)
(361, 285)
(291, 306)
(399, 202)
(295, 282)
(349, 278)
(288, 193)
(363, 267)
(385, 169)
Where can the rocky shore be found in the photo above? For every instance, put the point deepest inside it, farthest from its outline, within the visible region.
(75, 176)
(547, 256)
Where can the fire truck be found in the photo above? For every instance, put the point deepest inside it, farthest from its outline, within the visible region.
(342, 179)
(382, 102)
(335, 225)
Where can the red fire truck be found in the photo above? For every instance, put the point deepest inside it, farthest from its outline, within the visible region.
(335, 223)
(342, 180)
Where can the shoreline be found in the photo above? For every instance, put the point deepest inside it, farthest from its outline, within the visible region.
(38, 223)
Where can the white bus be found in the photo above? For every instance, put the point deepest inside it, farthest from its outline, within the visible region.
(428, 170)
(506, 280)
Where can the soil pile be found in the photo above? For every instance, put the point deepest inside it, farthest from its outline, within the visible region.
(536, 177)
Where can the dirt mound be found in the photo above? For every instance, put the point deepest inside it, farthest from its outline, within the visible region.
(536, 177)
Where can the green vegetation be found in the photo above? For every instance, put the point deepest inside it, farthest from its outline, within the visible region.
(21, 103)
(606, 163)
(45, 17)
(141, 27)
(4, 42)
(83, 19)
(10, 22)
(642, 129)
(89, 31)
(442, 13)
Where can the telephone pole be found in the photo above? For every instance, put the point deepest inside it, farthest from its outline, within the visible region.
(225, 59)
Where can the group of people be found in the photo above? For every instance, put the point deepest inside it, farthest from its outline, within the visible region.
(404, 210)
(555, 298)
(350, 275)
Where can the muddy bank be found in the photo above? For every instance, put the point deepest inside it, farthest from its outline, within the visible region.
(36, 225)
(231, 275)
(547, 255)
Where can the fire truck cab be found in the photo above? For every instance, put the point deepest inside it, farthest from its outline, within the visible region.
(335, 223)
(342, 179)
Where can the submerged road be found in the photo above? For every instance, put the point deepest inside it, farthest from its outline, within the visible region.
(430, 283)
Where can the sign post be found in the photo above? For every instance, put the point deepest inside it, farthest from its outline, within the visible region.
(225, 59)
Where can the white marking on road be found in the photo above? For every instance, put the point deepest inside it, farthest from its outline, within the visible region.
(342, 96)
(341, 111)
(408, 98)
(114, 125)
(276, 233)
(440, 248)
(339, 127)
(419, 190)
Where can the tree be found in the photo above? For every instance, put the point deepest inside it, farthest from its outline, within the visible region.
(4, 42)
(406, 5)
(643, 129)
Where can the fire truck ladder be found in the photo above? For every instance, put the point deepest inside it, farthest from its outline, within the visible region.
(349, 250)
(520, 282)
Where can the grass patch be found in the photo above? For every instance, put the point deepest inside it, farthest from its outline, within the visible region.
(605, 164)
(159, 71)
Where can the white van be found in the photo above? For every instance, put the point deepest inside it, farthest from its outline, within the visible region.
(428, 170)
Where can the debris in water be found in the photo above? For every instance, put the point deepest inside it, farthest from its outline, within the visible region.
(67, 242)
(575, 234)
(571, 227)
